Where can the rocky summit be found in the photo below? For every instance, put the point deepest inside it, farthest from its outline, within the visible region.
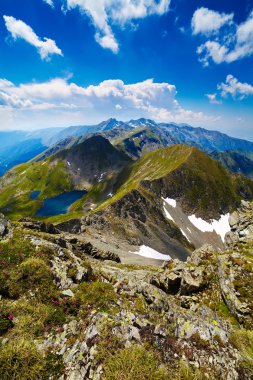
(71, 311)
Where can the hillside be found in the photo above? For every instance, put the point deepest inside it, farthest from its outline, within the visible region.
(236, 161)
(188, 174)
(78, 168)
(125, 198)
(70, 310)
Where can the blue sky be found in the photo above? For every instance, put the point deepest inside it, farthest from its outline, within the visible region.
(68, 62)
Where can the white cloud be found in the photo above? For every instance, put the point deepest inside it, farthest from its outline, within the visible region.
(111, 98)
(49, 2)
(105, 13)
(206, 21)
(213, 99)
(235, 88)
(19, 29)
(231, 44)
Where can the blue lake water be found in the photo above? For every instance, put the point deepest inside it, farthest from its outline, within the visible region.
(60, 204)
(35, 194)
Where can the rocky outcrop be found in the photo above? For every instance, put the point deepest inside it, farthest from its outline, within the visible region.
(4, 226)
(39, 226)
(236, 284)
(241, 222)
(187, 278)
(72, 226)
(89, 249)
(102, 308)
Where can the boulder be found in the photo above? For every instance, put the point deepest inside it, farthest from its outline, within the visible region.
(4, 224)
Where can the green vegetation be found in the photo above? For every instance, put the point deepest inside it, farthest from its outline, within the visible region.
(181, 170)
(50, 177)
(20, 360)
(135, 363)
(96, 295)
(242, 339)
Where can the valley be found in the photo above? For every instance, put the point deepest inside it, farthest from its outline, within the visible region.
(128, 245)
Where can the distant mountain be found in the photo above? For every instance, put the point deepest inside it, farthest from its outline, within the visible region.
(134, 137)
(20, 146)
(124, 197)
(236, 161)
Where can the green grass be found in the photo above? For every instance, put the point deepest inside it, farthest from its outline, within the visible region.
(50, 177)
(149, 167)
(200, 182)
(242, 339)
(135, 363)
(98, 295)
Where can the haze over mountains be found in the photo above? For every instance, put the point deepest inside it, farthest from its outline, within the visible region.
(135, 137)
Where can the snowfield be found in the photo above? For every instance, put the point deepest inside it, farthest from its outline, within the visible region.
(151, 253)
(168, 214)
(184, 234)
(171, 202)
(221, 226)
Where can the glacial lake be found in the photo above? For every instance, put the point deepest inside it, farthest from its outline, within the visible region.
(35, 194)
(60, 204)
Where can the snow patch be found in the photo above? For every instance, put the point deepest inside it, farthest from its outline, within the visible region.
(184, 234)
(151, 253)
(221, 226)
(171, 202)
(167, 214)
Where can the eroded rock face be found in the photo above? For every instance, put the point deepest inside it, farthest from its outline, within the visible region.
(235, 274)
(187, 278)
(89, 249)
(39, 226)
(241, 222)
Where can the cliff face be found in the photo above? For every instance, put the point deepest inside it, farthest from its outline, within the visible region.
(71, 311)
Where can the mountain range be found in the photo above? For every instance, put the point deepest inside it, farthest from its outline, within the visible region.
(126, 190)
(135, 137)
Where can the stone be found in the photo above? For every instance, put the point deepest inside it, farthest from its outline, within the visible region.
(3, 225)
(67, 293)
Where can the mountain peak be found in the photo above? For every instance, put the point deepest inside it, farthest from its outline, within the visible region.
(142, 122)
(110, 124)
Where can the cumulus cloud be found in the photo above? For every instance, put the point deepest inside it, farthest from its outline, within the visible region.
(237, 90)
(19, 29)
(231, 43)
(206, 21)
(105, 13)
(110, 98)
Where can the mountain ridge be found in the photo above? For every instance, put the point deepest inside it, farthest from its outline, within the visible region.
(170, 133)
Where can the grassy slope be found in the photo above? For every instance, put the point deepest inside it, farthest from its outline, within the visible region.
(188, 173)
(209, 182)
(50, 177)
(149, 167)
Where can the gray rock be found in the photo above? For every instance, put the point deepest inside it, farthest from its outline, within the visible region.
(67, 293)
